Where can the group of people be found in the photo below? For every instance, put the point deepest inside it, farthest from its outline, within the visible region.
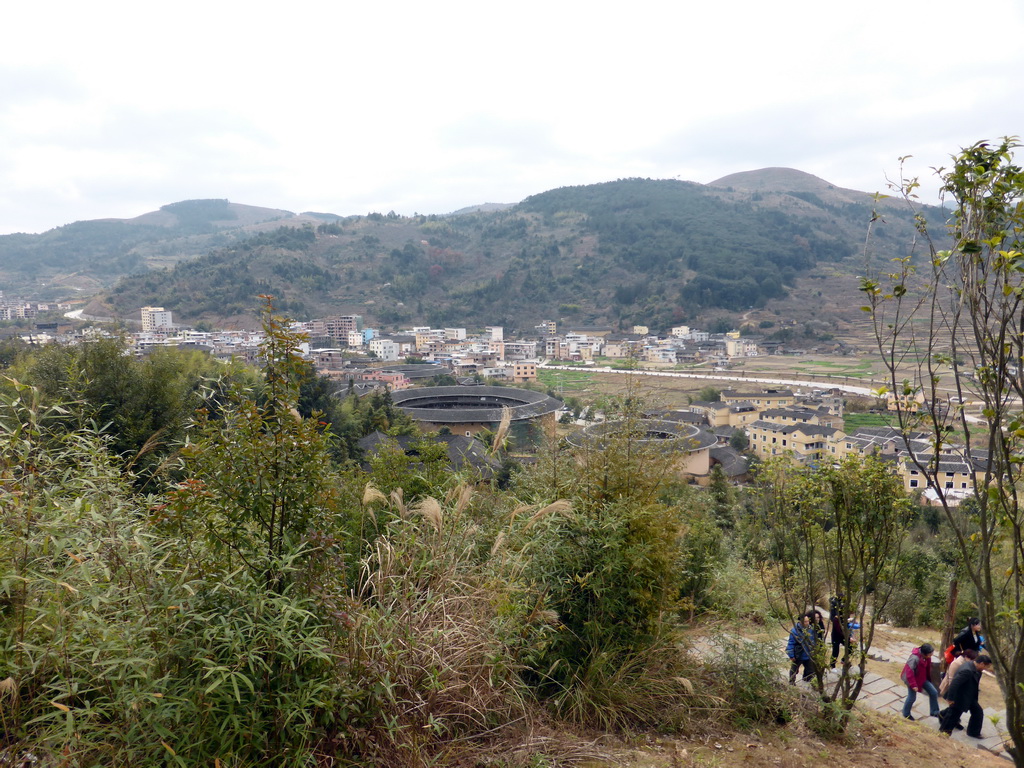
(809, 631)
(960, 685)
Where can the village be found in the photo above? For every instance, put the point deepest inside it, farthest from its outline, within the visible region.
(805, 423)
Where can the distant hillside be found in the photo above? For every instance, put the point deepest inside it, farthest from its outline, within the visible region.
(631, 251)
(788, 181)
(88, 255)
(484, 208)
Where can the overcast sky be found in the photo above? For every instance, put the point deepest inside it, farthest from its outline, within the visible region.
(111, 109)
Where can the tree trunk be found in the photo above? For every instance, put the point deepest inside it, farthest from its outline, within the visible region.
(949, 628)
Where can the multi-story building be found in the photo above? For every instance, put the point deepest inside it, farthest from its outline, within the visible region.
(524, 370)
(766, 398)
(155, 317)
(741, 348)
(520, 350)
(384, 349)
(808, 443)
(393, 380)
(340, 327)
(719, 414)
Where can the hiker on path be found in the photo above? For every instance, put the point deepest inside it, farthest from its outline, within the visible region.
(968, 637)
(917, 676)
(838, 633)
(963, 696)
(819, 624)
(800, 648)
(969, 655)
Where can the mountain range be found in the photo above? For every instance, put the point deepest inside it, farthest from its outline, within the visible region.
(775, 242)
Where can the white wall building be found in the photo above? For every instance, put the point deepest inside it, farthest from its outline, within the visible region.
(155, 317)
(384, 349)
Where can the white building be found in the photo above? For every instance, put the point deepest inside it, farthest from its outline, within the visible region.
(155, 317)
(384, 349)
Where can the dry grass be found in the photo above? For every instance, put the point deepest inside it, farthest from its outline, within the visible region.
(874, 741)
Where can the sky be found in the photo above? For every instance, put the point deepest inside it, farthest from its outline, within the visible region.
(112, 109)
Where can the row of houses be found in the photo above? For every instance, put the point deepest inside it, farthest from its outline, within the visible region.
(811, 431)
(578, 343)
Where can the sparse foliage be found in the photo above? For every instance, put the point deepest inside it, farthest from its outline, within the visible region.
(954, 311)
(833, 531)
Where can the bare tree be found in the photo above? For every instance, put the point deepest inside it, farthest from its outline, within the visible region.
(949, 323)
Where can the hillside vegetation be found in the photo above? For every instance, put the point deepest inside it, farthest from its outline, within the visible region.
(89, 255)
(630, 251)
(212, 579)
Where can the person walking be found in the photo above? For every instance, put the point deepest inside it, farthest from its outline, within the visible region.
(800, 648)
(838, 634)
(968, 655)
(968, 637)
(917, 676)
(963, 697)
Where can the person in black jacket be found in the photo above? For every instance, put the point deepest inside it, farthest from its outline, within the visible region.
(963, 695)
(838, 626)
(838, 635)
(968, 637)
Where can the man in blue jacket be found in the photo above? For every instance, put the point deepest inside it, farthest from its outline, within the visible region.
(800, 648)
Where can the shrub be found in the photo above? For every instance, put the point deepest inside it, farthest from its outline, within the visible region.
(430, 642)
(747, 677)
(901, 608)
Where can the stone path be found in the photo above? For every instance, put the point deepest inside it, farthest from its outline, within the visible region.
(883, 695)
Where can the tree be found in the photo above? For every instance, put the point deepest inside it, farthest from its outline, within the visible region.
(708, 394)
(739, 440)
(143, 406)
(605, 555)
(836, 530)
(954, 321)
(721, 497)
(257, 483)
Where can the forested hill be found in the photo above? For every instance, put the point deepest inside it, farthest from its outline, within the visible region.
(629, 251)
(87, 255)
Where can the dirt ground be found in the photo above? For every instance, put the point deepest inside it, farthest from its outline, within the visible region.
(873, 741)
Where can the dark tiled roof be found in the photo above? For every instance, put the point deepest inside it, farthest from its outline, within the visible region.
(734, 463)
(481, 404)
(672, 434)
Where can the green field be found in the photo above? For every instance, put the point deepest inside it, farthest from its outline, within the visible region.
(567, 382)
(854, 421)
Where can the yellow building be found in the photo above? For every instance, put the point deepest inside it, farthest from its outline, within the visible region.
(766, 398)
(808, 443)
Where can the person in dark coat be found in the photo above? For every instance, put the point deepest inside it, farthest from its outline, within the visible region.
(968, 637)
(963, 697)
(800, 648)
(838, 634)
